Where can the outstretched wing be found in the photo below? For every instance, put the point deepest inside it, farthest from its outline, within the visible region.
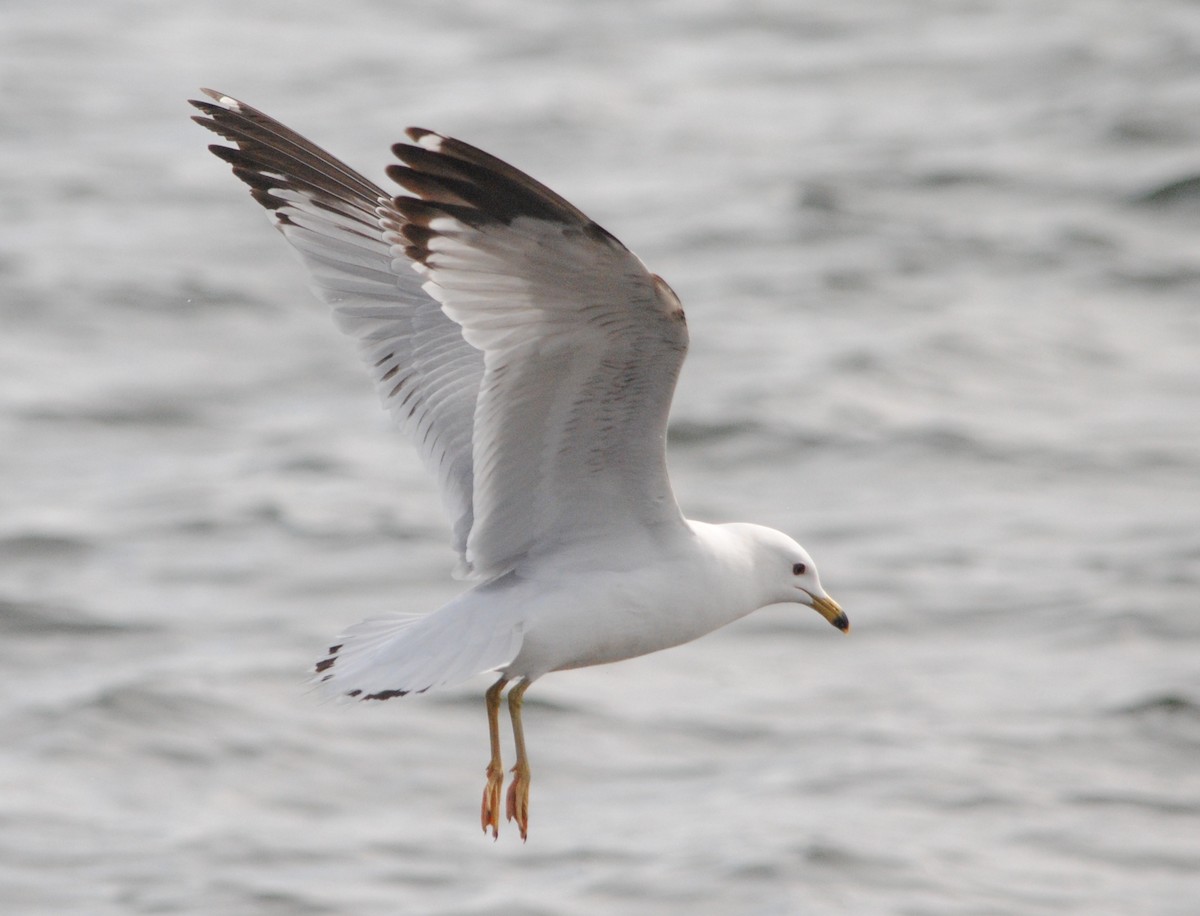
(582, 348)
(531, 356)
(427, 376)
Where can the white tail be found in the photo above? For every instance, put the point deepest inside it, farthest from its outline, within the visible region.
(397, 654)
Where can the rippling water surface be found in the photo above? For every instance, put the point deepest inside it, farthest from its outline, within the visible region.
(941, 264)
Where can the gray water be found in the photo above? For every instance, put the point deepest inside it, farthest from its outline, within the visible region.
(941, 264)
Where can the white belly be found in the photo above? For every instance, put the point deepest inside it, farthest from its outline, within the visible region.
(599, 620)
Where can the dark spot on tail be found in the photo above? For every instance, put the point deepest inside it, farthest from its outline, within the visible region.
(328, 662)
(382, 695)
(353, 693)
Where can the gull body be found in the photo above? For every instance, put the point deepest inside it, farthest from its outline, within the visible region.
(679, 591)
(579, 607)
(531, 357)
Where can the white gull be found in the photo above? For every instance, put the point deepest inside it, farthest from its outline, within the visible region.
(531, 357)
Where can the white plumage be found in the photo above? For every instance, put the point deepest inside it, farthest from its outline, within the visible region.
(531, 358)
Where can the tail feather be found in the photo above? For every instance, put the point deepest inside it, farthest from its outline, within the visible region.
(397, 654)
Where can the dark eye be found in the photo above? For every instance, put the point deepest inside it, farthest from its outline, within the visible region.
(799, 569)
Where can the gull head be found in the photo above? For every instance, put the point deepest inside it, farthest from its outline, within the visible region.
(788, 573)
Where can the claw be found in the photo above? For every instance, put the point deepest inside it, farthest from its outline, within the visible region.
(516, 806)
(489, 813)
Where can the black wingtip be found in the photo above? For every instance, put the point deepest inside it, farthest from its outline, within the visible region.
(417, 134)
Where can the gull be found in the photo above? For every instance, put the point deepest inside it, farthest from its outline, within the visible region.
(531, 358)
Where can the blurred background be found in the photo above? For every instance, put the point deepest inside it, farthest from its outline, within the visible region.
(941, 267)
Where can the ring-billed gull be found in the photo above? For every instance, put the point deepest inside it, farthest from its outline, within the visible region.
(532, 358)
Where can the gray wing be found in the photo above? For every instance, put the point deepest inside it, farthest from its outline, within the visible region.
(531, 356)
(582, 348)
(426, 374)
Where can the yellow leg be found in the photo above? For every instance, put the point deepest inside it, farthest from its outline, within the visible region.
(517, 807)
(490, 812)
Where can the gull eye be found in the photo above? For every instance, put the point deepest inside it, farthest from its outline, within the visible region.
(799, 569)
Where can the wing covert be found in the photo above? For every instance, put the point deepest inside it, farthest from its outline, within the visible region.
(582, 348)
